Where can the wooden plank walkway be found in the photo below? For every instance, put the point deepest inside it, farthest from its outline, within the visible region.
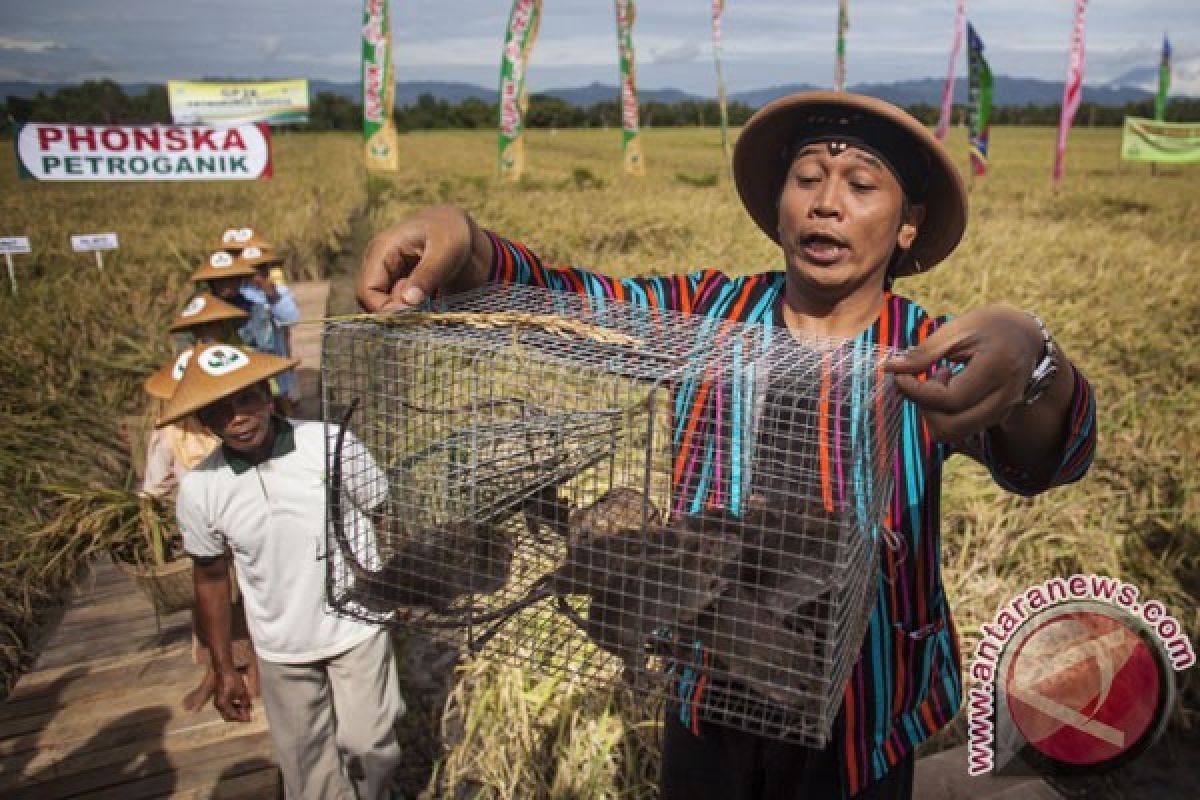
(99, 713)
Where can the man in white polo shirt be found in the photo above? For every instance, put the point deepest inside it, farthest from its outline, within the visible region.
(328, 682)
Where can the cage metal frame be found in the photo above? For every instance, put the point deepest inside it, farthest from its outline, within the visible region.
(469, 463)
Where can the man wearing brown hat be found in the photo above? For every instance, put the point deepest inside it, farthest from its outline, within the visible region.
(328, 682)
(857, 194)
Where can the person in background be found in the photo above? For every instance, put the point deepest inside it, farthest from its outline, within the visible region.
(241, 283)
(272, 311)
(857, 194)
(328, 682)
(208, 319)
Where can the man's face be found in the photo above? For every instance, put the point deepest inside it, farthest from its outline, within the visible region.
(840, 219)
(226, 288)
(242, 420)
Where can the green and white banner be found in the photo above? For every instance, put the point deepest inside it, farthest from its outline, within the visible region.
(514, 101)
(381, 145)
(718, 10)
(57, 152)
(631, 139)
(1161, 142)
(237, 103)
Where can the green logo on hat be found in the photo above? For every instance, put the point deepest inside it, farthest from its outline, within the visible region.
(222, 359)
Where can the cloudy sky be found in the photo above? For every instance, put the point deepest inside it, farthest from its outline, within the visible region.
(767, 42)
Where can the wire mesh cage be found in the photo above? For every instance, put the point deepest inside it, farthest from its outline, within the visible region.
(615, 492)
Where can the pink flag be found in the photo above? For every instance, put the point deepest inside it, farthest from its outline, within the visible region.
(960, 14)
(1072, 89)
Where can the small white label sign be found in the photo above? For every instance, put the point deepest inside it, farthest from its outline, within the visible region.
(16, 245)
(89, 242)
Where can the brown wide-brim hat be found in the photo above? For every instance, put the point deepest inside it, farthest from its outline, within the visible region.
(762, 158)
(255, 257)
(221, 264)
(204, 308)
(235, 240)
(162, 384)
(219, 370)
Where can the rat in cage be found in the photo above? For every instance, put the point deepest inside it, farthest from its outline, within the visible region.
(432, 567)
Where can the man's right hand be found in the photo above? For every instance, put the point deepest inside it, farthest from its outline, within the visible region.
(231, 697)
(438, 248)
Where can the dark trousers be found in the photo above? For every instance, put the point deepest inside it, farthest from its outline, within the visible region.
(727, 764)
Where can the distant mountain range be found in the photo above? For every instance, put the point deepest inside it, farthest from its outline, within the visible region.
(1006, 91)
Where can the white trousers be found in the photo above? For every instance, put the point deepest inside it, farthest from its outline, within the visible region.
(332, 722)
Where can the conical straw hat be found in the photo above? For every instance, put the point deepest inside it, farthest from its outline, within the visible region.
(254, 257)
(237, 239)
(204, 308)
(216, 371)
(221, 265)
(161, 384)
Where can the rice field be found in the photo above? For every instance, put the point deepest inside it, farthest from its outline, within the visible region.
(1110, 260)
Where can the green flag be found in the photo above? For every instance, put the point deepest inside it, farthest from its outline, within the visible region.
(839, 67)
(381, 145)
(631, 138)
(1164, 82)
(514, 100)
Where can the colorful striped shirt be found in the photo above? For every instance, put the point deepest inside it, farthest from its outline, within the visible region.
(906, 683)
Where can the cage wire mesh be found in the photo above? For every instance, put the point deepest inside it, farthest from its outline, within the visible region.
(609, 491)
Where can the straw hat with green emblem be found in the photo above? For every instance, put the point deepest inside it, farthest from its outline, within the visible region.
(205, 308)
(161, 385)
(221, 265)
(218, 370)
(235, 240)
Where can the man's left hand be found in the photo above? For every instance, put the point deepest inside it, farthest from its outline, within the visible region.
(998, 346)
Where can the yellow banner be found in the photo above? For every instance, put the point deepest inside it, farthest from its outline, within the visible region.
(238, 103)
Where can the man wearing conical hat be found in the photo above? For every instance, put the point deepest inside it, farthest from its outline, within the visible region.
(857, 195)
(172, 451)
(328, 682)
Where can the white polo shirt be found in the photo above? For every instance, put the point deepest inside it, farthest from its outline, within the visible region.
(272, 517)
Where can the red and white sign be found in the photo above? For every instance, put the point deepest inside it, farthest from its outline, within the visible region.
(57, 152)
(1083, 687)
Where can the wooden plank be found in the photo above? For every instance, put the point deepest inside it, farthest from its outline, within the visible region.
(148, 640)
(59, 760)
(177, 670)
(80, 719)
(262, 783)
(116, 627)
(152, 772)
(36, 680)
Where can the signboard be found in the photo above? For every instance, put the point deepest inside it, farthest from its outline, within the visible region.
(1161, 142)
(15, 245)
(87, 242)
(59, 152)
(10, 246)
(207, 103)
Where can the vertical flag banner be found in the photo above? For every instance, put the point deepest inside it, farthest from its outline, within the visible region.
(718, 8)
(839, 67)
(381, 145)
(1164, 82)
(522, 31)
(960, 15)
(979, 102)
(631, 139)
(1072, 89)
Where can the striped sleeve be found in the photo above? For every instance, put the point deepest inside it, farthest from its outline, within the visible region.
(1079, 445)
(512, 262)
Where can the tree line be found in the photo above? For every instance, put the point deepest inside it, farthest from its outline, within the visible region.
(107, 103)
